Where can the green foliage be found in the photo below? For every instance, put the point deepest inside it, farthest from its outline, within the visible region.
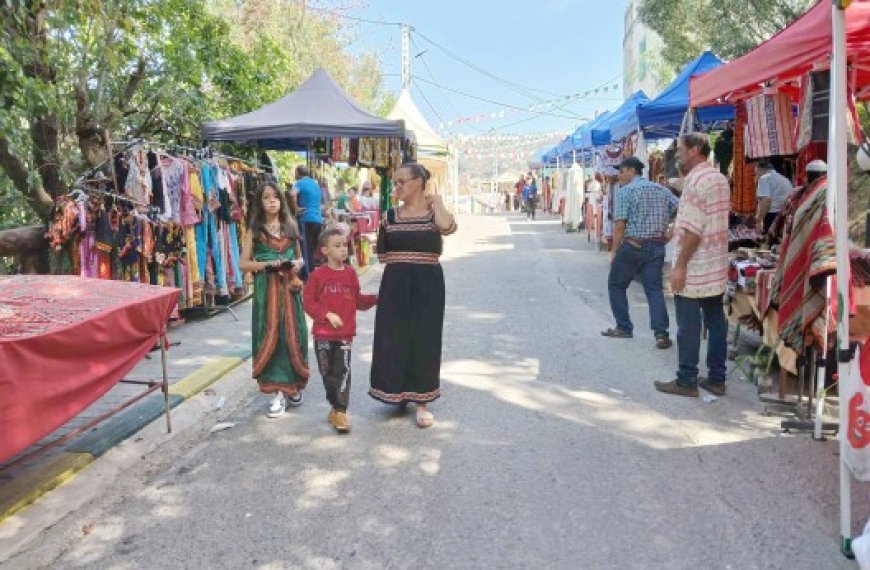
(154, 69)
(729, 28)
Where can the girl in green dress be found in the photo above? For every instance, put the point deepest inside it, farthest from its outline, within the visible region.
(279, 333)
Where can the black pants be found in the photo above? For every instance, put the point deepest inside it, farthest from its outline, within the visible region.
(333, 359)
(769, 218)
(310, 251)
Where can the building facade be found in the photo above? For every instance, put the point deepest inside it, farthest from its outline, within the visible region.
(642, 64)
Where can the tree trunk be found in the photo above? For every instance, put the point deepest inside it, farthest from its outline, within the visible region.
(29, 239)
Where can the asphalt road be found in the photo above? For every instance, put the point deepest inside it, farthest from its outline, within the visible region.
(550, 450)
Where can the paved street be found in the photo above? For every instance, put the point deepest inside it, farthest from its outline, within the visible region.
(550, 450)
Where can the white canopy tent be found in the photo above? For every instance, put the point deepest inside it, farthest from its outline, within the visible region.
(433, 152)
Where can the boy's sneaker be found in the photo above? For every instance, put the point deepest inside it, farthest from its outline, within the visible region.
(339, 421)
(276, 406)
(294, 401)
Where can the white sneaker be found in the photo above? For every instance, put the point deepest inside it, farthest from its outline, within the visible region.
(276, 406)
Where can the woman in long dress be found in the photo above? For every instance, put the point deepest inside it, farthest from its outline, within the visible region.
(406, 365)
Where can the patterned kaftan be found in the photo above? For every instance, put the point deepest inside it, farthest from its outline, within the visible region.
(279, 330)
(406, 363)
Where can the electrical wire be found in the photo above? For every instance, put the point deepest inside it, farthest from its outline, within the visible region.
(521, 89)
(443, 93)
(499, 103)
(353, 18)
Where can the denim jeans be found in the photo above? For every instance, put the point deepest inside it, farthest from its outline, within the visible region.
(648, 262)
(689, 314)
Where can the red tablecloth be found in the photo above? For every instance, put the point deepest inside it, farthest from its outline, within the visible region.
(64, 342)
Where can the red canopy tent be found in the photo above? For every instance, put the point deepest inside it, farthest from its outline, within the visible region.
(788, 55)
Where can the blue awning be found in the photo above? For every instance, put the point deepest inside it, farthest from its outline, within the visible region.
(663, 116)
(620, 122)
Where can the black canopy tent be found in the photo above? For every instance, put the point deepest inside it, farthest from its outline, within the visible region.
(319, 108)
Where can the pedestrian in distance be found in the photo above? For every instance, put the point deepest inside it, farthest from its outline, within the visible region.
(530, 198)
(518, 192)
(700, 270)
(643, 212)
(406, 359)
(331, 298)
(272, 252)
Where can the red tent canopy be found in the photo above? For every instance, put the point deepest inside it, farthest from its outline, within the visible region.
(788, 55)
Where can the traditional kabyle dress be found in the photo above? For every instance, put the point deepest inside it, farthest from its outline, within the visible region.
(406, 363)
(280, 334)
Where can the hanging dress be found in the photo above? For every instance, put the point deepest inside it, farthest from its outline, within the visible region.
(406, 361)
(279, 331)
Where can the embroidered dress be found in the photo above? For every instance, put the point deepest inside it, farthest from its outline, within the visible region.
(279, 331)
(406, 361)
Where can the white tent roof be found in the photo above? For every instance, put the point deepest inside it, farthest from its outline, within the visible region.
(429, 143)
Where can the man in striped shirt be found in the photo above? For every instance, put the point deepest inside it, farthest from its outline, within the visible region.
(700, 270)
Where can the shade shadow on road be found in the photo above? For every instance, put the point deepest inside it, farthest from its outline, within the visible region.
(550, 448)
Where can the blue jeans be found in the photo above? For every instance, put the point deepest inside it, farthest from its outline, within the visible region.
(689, 314)
(648, 262)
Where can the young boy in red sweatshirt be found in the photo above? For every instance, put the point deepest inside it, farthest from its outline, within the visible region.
(332, 297)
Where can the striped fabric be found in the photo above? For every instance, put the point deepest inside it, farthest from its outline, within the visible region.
(704, 208)
(770, 126)
(809, 254)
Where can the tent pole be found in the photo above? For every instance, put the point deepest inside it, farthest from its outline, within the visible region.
(837, 183)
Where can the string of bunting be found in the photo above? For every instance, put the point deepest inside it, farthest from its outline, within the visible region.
(543, 106)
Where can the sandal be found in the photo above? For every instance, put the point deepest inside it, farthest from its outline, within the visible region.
(425, 419)
(616, 333)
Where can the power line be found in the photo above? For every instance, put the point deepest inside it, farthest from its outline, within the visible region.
(353, 18)
(501, 104)
(521, 89)
(443, 93)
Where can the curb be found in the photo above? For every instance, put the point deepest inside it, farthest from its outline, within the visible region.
(38, 480)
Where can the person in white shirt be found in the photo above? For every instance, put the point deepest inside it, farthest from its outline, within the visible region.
(771, 195)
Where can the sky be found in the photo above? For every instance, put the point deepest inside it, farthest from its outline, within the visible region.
(559, 47)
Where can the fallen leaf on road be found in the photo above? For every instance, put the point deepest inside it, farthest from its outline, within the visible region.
(87, 529)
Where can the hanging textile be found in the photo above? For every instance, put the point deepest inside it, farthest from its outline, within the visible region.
(574, 198)
(743, 175)
(386, 192)
(809, 255)
(771, 126)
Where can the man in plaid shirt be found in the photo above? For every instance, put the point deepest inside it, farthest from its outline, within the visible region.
(643, 212)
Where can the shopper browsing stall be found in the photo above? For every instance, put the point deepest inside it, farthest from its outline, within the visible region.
(643, 212)
(700, 270)
(772, 192)
(309, 198)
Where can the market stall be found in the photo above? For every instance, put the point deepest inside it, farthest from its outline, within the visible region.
(321, 119)
(65, 341)
(819, 63)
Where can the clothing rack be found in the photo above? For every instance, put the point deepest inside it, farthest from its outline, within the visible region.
(199, 152)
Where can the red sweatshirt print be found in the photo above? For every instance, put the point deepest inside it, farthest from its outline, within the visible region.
(335, 291)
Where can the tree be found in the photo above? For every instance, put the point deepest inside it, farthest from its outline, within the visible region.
(729, 28)
(73, 73)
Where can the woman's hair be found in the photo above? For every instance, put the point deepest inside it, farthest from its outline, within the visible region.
(418, 171)
(258, 214)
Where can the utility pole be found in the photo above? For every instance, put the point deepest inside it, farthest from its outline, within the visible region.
(406, 56)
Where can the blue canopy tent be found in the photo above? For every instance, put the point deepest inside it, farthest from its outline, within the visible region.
(584, 135)
(618, 121)
(663, 116)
